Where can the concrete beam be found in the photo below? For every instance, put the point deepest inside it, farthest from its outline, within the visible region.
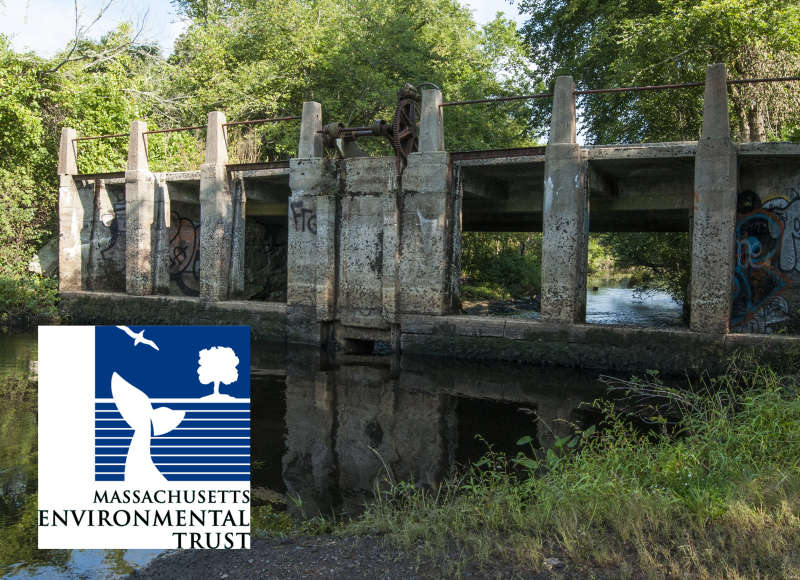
(714, 213)
(565, 215)
(139, 214)
(216, 214)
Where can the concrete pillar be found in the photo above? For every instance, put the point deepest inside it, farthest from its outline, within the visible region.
(428, 219)
(426, 235)
(239, 200)
(216, 213)
(431, 129)
(70, 215)
(390, 263)
(140, 215)
(161, 224)
(716, 181)
(566, 214)
(311, 260)
(310, 126)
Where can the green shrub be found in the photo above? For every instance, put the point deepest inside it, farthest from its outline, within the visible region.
(28, 300)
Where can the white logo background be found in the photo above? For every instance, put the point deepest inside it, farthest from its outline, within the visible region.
(67, 463)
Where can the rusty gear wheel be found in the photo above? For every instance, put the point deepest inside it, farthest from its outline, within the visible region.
(405, 133)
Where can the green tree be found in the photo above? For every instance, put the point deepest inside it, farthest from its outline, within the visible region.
(639, 42)
(27, 172)
(262, 59)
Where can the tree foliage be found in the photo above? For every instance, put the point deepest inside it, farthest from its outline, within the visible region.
(641, 42)
(263, 59)
(251, 59)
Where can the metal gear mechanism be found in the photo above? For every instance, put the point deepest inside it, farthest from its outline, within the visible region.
(405, 131)
(402, 133)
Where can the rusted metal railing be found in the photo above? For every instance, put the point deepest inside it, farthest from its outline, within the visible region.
(617, 90)
(188, 128)
(260, 121)
(109, 136)
(173, 130)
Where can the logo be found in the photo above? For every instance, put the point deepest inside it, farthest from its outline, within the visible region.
(144, 437)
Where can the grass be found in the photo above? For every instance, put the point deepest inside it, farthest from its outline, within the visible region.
(483, 292)
(715, 493)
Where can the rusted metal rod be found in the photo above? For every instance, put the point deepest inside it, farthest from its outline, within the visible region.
(619, 90)
(110, 136)
(762, 80)
(497, 99)
(637, 89)
(173, 130)
(258, 121)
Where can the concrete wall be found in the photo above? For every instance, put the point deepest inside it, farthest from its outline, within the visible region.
(766, 295)
(353, 245)
(368, 242)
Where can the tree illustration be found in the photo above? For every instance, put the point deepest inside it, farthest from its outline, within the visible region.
(217, 365)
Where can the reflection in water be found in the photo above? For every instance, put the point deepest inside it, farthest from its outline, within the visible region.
(19, 557)
(361, 422)
(326, 432)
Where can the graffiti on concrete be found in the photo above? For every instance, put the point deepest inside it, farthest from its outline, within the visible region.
(766, 253)
(184, 254)
(303, 218)
(116, 223)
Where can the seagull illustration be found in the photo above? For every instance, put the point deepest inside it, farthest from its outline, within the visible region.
(137, 338)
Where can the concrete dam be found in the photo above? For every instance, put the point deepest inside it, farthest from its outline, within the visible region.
(355, 250)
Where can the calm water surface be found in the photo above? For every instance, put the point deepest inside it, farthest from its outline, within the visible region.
(327, 431)
(608, 305)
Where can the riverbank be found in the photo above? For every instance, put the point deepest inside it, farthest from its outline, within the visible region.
(28, 301)
(711, 489)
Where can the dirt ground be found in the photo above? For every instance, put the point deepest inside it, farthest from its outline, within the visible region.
(323, 557)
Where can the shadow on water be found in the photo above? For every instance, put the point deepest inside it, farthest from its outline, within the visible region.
(324, 432)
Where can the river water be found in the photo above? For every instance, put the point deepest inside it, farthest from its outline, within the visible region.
(325, 432)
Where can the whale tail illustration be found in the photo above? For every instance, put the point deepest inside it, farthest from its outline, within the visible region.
(138, 412)
(165, 420)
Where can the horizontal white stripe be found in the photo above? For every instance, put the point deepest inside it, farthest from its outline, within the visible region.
(182, 447)
(218, 419)
(183, 401)
(192, 455)
(211, 429)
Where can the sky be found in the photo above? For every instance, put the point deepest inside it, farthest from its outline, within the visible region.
(46, 26)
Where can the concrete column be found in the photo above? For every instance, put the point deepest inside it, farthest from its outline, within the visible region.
(431, 130)
(161, 221)
(310, 126)
(426, 235)
(716, 181)
(239, 200)
(70, 215)
(216, 213)
(390, 264)
(139, 214)
(566, 214)
(311, 260)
